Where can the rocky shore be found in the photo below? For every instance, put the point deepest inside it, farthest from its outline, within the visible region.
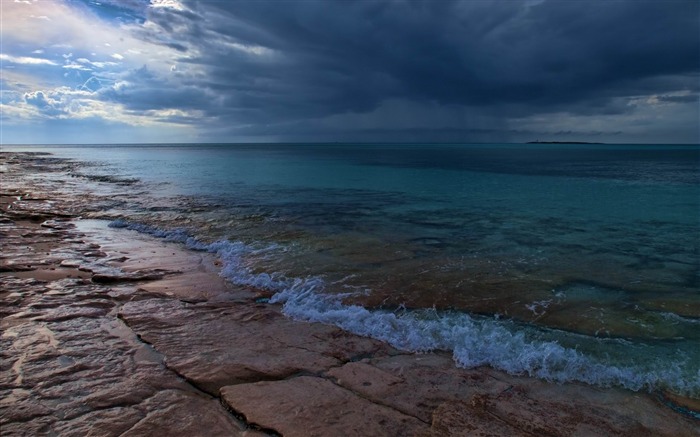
(108, 332)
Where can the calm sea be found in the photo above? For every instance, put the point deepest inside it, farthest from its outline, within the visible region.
(565, 262)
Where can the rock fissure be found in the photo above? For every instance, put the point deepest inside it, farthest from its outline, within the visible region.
(384, 404)
(202, 390)
(250, 425)
(376, 401)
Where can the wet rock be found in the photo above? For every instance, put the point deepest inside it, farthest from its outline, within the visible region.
(414, 384)
(458, 419)
(462, 402)
(199, 278)
(94, 254)
(61, 224)
(71, 263)
(491, 415)
(115, 275)
(12, 267)
(308, 406)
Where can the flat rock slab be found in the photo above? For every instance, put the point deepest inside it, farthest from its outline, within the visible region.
(309, 406)
(181, 414)
(414, 384)
(128, 251)
(218, 344)
(484, 402)
(519, 415)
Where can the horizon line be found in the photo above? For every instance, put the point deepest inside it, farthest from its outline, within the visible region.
(345, 143)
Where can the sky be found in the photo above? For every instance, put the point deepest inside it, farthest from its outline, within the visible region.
(159, 71)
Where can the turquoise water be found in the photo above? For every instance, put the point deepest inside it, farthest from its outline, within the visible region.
(566, 262)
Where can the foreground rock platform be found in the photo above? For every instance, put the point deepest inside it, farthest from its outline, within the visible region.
(107, 332)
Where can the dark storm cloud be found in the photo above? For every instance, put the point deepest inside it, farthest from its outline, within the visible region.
(144, 90)
(680, 99)
(270, 62)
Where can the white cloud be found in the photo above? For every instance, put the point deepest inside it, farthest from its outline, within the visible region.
(82, 63)
(45, 103)
(172, 4)
(81, 32)
(86, 103)
(94, 54)
(250, 49)
(105, 64)
(18, 114)
(75, 66)
(25, 60)
(16, 80)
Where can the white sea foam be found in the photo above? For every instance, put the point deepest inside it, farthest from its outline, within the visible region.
(675, 318)
(479, 341)
(474, 341)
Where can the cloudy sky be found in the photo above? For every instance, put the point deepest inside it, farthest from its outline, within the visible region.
(113, 71)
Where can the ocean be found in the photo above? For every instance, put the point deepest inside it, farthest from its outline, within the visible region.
(567, 262)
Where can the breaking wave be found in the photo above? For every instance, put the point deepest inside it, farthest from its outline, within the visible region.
(474, 341)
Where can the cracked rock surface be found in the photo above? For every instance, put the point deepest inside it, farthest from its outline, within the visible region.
(71, 367)
(218, 344)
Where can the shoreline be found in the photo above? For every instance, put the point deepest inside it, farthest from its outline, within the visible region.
(116, 333)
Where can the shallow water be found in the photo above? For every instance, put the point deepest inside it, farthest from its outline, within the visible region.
(567, 262)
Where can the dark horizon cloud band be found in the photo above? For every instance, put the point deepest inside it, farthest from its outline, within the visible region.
(472, 71)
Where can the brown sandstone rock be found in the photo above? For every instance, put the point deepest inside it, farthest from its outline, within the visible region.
(485, 402)
(413, 383)
(492, 415)
(219, 344)
(179, 413)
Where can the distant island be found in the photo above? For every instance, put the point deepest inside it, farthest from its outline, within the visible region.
(561, 142)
